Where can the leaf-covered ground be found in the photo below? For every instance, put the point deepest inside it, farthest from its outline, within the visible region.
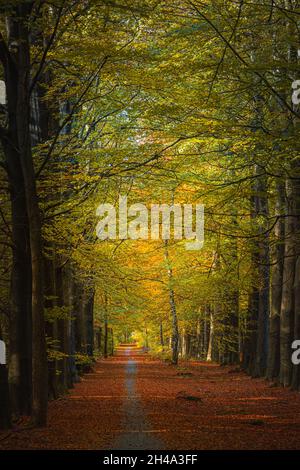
(193, 406)
(200, 406)
(85, 419)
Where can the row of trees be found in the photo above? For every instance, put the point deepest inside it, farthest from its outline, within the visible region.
(48, 171)
(229, 103)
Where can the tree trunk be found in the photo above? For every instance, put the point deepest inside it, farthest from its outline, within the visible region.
(112, 342)
(296, 288)
(17, 76)
(175, 333)
(51, 326)
(20, 293)
(296, 369)
(263, 262)
(211, 338)
(198, 339)
(256, 342)
(39, 356)
(161, 335)
(105, 346)
(62, 330)
(5, 411)
(68, 294)
(287, 301)
(90, 323)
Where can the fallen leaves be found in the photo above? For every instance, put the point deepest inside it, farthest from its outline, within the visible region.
(214, 410)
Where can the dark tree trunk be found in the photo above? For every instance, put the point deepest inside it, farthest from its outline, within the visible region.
(112, 342)
(161, 334)
(231, 323)
(255, 352)
(51, 326)
(62, 331)
(146, 338)
(209, 355)
(5, 411)
(105, 318)
(205, 333)
(68, 295)
(20, 314)
(296, 368)
(296, 288)
(80, 322)
(261, 353)
(175, 331)
(39, 357)
(288, 316)
(287, 300)
(98, 339)
(276, 290)
(249, 345)
(17, 77)
(90, 323)
(105, 345)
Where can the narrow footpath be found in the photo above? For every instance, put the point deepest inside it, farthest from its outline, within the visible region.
(131, 401)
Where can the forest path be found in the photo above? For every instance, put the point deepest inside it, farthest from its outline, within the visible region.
(137, 432)
(133, 401)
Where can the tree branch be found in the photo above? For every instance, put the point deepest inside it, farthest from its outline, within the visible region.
(47, 48)
(243, 61)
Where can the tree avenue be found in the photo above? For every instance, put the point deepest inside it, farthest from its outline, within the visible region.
(176, 104)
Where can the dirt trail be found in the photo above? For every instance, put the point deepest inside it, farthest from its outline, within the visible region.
(137, 432)
(131, 401)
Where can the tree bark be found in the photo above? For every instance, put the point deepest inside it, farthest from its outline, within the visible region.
(90, 322)
(276, 290)
(51, 326)
(5, 410)
(287, 300)
(161, 334)
(20, 293)
(261, 353)
(211, 337)
(105, 345)
(17, 77)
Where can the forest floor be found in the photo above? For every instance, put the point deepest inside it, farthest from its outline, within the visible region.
(131, 401)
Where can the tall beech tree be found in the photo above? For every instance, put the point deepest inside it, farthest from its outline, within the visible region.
(15, 58)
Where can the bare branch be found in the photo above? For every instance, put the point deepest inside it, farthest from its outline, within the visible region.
(243, 61)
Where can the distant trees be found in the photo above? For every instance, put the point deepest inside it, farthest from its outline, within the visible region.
(237, 154)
